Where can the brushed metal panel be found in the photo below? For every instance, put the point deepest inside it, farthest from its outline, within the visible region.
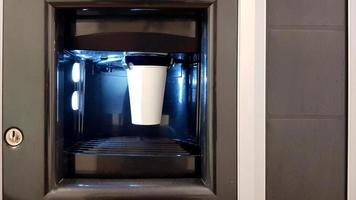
(306, 159)
(306, 72)
(307, 12)
(23, 98)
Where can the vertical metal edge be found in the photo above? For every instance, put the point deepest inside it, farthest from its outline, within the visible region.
(50, 99)
(251, 125)
(351, 155)
(1, 84)
(260, 94)
(238, 101)
(211, 28)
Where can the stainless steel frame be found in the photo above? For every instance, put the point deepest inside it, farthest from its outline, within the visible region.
(208, 152)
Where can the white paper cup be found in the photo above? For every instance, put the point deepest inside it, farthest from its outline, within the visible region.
(146, 91)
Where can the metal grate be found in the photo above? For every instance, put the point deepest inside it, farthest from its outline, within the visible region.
(132, 146)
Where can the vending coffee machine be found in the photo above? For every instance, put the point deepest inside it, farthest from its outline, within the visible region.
(120, 99)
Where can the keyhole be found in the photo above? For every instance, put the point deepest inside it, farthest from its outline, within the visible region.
(13, 137)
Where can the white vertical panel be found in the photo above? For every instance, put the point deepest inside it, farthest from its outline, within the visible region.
(251, 100)
(351, 186)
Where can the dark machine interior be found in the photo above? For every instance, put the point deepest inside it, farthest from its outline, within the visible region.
(94, 135)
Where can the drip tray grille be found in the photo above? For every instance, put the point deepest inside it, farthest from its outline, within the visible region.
(132, 157)
(134, 146)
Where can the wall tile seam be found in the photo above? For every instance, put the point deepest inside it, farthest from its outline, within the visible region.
(317, 116)
(307, 28)
(309, 119)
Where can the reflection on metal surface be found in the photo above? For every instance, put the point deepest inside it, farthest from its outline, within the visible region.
(98, 55)
(76, 72)
(180, 85)
(83, 185)
(134, 185)
(75, 100)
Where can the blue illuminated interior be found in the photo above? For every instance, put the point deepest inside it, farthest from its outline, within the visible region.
(104, 107)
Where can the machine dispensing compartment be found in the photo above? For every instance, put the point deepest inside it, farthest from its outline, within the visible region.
(131, 93)
(120, 99)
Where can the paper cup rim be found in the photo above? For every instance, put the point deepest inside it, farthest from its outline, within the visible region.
(149, 66)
